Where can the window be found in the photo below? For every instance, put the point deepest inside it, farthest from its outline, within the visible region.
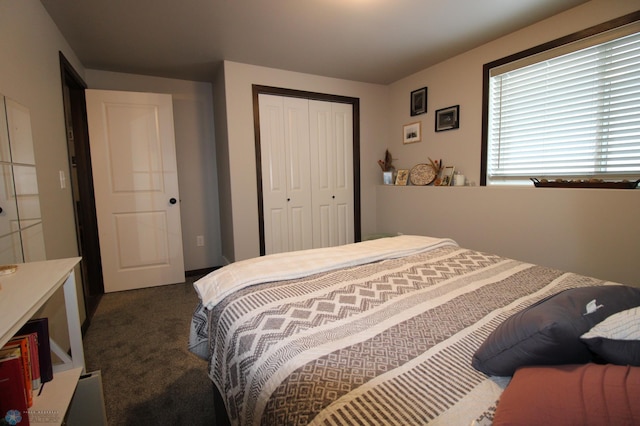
(570, 112)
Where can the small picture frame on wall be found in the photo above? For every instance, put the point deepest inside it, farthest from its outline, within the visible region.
(412, 132)
(419, 101)
(448, 118)
(402, 177)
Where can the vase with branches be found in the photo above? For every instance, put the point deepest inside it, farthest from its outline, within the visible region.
(387, 164)
(387, 168)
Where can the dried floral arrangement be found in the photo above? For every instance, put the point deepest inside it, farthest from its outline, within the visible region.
(437, 165)
(386, 165)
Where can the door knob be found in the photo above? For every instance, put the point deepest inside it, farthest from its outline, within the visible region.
(173, 201)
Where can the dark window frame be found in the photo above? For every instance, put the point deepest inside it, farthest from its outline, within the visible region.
(486, 69)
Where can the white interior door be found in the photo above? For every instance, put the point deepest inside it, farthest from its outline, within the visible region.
(331, 141)
(136, 188)
(284, 150)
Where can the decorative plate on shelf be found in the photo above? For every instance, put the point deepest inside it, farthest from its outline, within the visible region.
(422, 174)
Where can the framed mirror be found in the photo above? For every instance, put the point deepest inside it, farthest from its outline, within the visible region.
(21, 234)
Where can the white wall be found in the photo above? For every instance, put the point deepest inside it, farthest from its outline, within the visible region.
(30, 74)
(241, 183)
(458, 81)
(593, 232)
(223, 166)
(195, 153)
(588, 231)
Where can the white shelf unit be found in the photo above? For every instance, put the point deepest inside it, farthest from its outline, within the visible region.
(22, 294)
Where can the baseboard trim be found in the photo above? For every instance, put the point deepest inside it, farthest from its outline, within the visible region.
(202, 271)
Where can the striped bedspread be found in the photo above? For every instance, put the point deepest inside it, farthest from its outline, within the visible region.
(381, 343)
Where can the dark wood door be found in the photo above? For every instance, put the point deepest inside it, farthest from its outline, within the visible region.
(82, 187)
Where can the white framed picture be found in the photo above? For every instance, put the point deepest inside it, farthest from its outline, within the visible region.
(412, 132)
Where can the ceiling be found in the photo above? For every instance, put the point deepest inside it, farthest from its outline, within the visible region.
(375, 41)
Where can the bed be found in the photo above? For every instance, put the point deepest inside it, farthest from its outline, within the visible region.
(378, 332)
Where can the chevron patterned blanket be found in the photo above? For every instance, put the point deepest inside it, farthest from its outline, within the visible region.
(386, 342)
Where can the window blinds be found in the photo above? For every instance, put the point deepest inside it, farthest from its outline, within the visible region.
(576, 115)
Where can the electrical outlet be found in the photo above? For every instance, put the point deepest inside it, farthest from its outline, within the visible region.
(200, 240)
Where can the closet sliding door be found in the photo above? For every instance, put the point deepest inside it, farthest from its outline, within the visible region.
(306, 161)
(286, 179)
(331, 133)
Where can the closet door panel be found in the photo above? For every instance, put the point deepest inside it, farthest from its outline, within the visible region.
(322, 226)
(274, 177)
(322, 173)
(343, 172)
(286, 180)
(299, 229)
(296, 136)
(331, 132)
(278, 225)
(344, 224)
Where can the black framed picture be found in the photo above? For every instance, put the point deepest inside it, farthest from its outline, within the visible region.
(419, 101)
(448, 118)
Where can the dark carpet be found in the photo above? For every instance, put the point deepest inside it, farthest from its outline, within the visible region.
(138, 340)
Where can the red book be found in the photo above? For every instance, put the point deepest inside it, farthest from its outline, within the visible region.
(23, 344)
(34, 367)
(35, 361)
(41, 326)
(13, 391)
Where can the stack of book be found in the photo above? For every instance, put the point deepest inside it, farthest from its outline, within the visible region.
(25, 366)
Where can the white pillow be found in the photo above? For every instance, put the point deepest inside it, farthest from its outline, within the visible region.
(624, 325)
